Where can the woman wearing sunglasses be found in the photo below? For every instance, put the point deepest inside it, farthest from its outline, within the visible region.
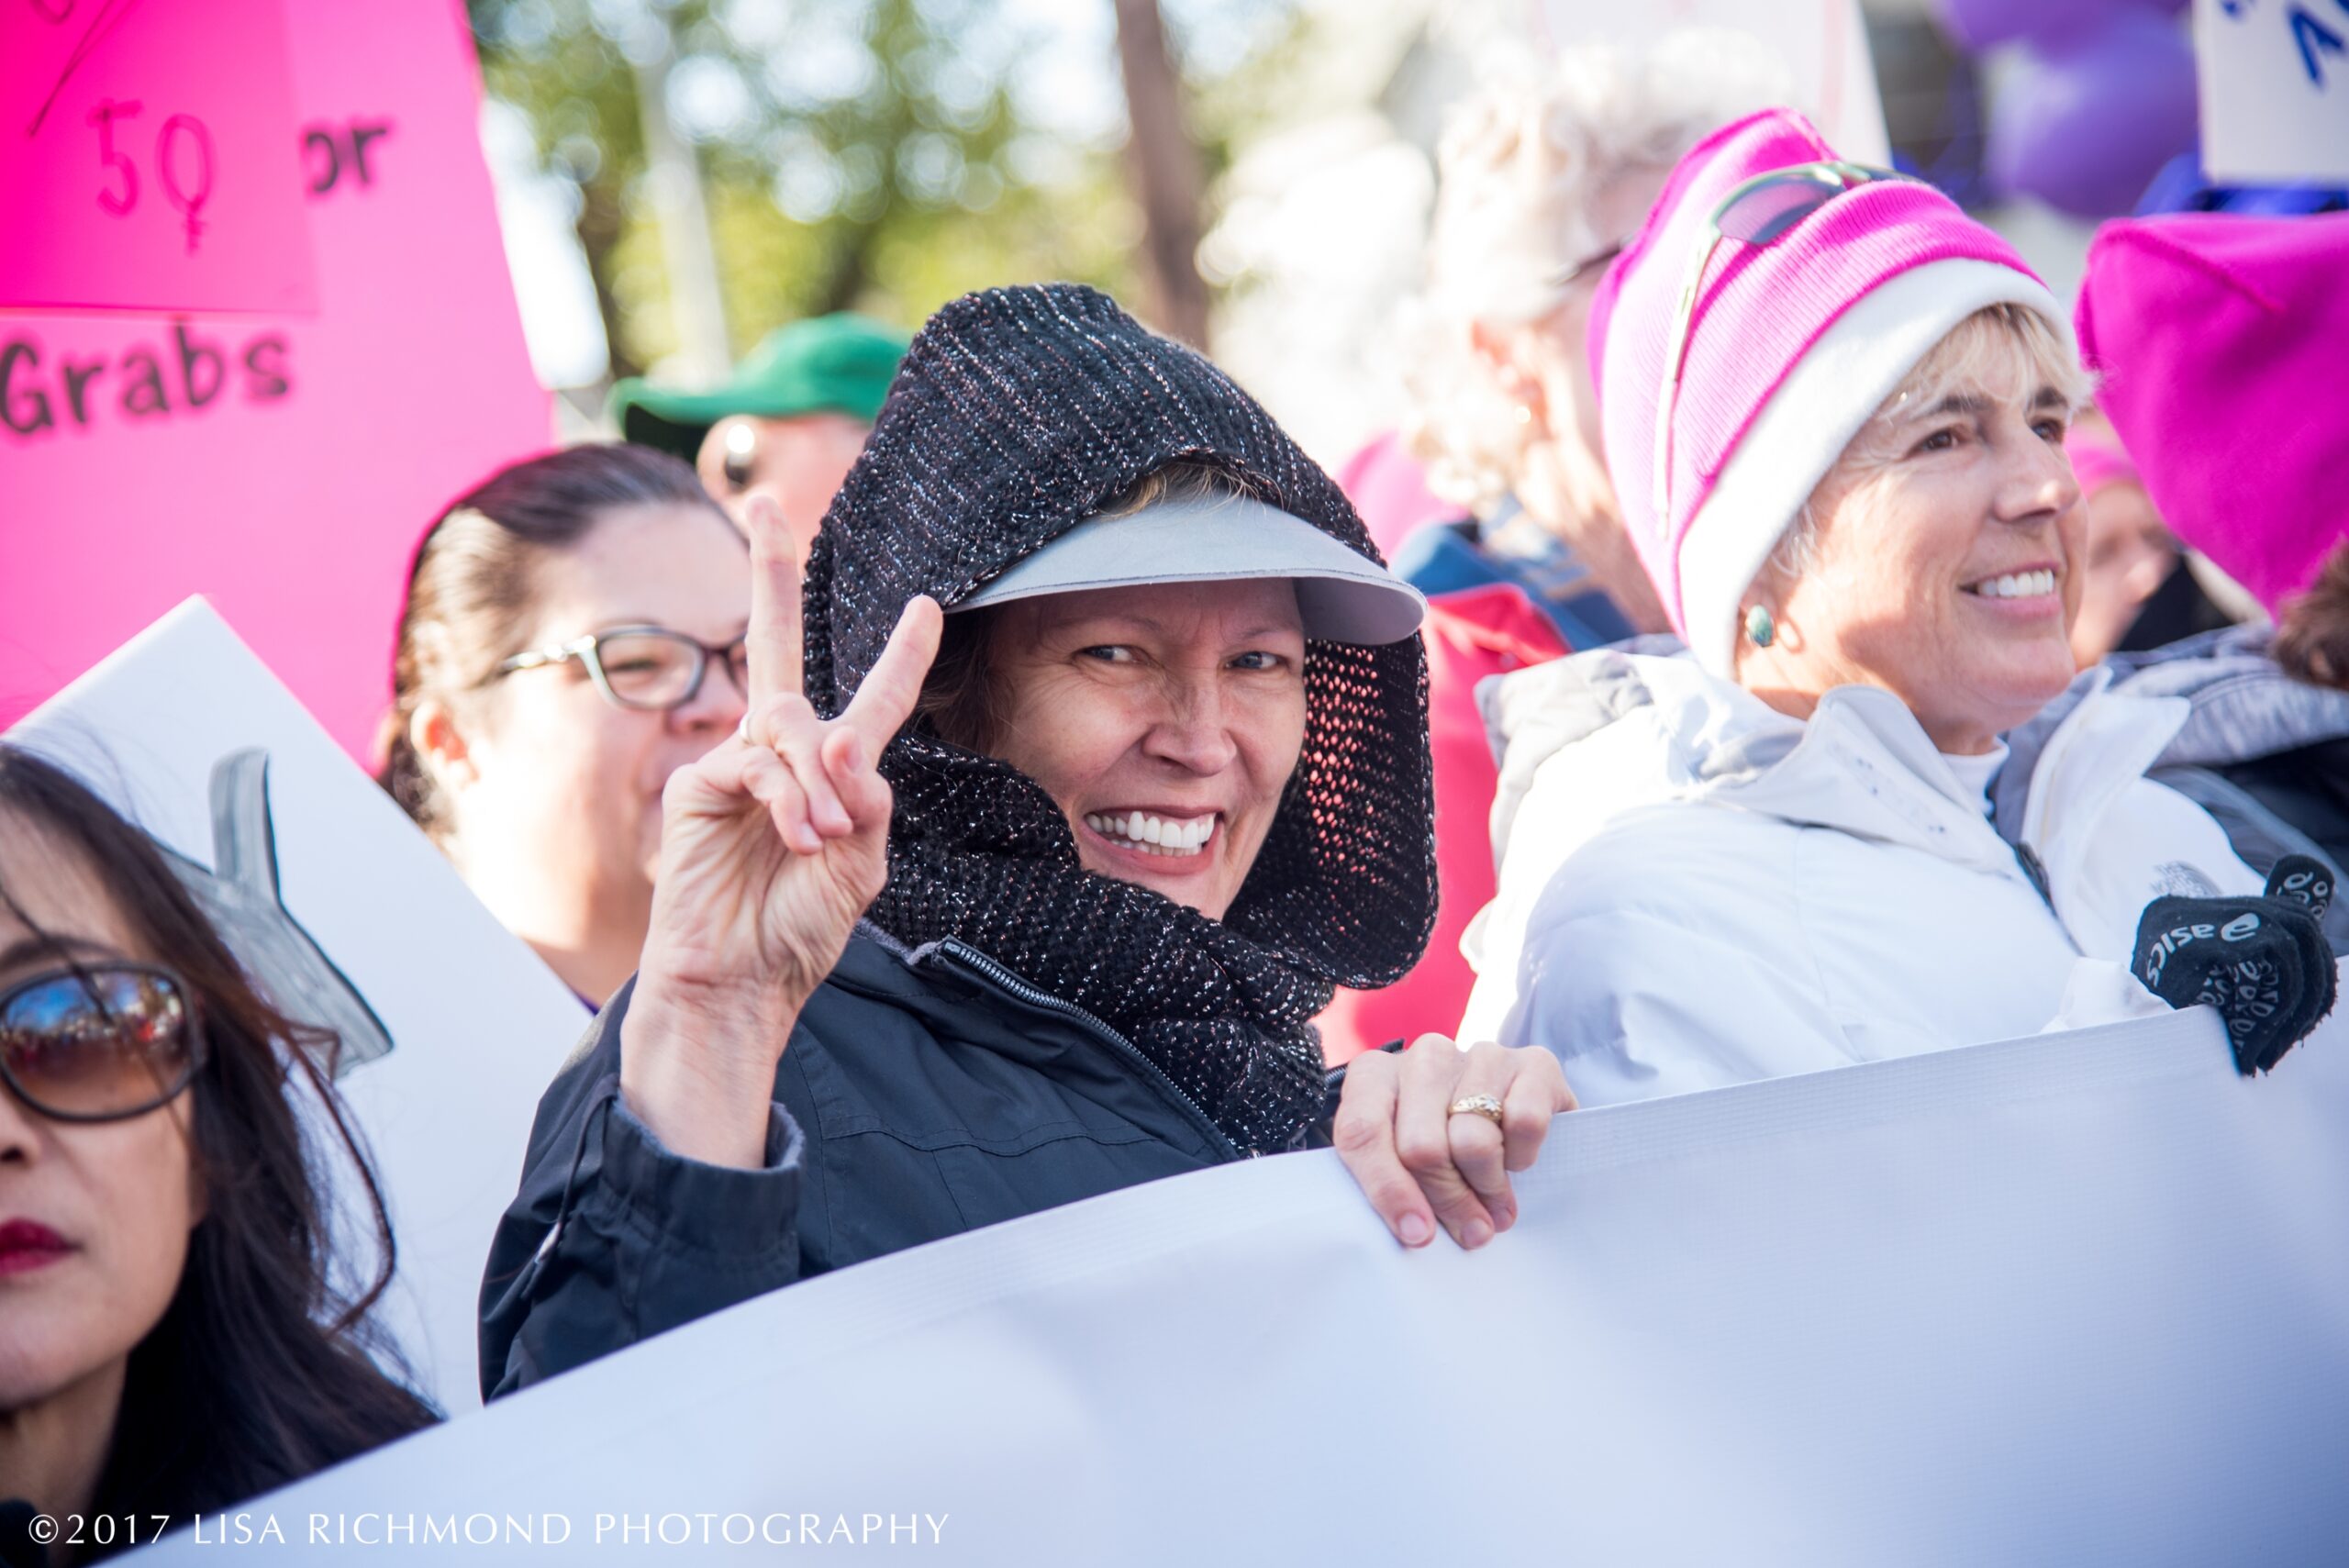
(1835, 409)
(572, 636)
(172, 1335)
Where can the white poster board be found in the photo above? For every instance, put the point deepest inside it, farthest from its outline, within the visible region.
(2275, 89)
(1824, 44)
(476, 1025)
(2077, 1299)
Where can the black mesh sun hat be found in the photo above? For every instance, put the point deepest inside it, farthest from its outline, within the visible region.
(1016, 415)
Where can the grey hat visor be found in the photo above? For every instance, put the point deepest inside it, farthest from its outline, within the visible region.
(1343, 596)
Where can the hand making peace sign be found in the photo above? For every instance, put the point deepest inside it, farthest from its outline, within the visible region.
(772, 847)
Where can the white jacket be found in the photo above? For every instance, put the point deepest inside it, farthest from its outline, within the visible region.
(1697, 890)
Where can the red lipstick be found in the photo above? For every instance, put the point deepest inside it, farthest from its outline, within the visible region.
(27, 1245)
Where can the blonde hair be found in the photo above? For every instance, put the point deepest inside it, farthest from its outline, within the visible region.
(1520, 168)
(2004, 351)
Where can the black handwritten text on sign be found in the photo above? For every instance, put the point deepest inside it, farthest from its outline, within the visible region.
(341, 156)
(46, 388)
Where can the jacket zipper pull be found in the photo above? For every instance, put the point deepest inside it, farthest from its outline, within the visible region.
(2029, 859)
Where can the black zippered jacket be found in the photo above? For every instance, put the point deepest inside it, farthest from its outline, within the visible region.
(923, 1094)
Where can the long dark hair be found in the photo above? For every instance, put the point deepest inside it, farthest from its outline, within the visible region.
(474, 580)
(260, 1370)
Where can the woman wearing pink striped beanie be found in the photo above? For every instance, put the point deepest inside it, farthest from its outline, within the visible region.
(1834, 407)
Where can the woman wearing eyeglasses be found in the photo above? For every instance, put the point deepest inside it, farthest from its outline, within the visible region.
(1835, 409)
(572, 636)
(172, 1335)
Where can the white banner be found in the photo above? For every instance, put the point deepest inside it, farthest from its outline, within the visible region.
(2069, 1299)
(2274, 88)
(452, 1026)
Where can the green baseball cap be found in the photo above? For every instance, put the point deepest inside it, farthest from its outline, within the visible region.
(841, 363)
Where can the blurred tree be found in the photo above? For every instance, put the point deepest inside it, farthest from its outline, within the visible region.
(883, 155)
(577, 90)
(854, 153)
(1163, 158)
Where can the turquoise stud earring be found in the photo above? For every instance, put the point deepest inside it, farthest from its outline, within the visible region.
(1759, 626)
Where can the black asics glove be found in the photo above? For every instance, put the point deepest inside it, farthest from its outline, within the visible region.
(2303, 880)
(2262, 962)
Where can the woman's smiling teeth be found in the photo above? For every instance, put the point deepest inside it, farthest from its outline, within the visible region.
(2016, 585)
(1154, 835)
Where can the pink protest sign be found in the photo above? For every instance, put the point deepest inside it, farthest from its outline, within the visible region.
(145, 142)
(284, 466)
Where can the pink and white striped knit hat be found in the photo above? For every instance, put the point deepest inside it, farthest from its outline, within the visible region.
(1792, 346)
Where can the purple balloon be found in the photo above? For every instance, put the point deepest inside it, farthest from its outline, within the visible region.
(2086, 127)
(1976, 25)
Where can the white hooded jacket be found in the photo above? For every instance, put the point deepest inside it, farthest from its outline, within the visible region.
(1698, 890)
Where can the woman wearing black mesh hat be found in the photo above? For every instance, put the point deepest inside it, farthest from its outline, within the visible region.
(985, 913)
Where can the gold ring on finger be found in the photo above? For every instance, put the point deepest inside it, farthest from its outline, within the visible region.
(1485, 1106)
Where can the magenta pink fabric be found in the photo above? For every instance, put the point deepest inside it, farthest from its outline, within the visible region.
(288, 480)
(1389, 488)
(2096, 461)
(1758, 311)
(1470, 635)
(2223, 342)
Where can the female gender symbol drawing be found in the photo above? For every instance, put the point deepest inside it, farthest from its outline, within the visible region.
(189, 201)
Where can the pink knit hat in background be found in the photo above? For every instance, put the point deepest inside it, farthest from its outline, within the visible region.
(2224, 343)
(2097, 459)
(1793, 345)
